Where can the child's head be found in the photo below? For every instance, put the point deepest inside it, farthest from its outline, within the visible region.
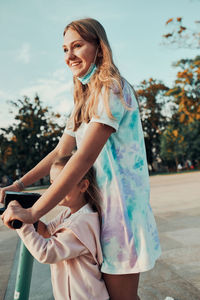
(86, 191)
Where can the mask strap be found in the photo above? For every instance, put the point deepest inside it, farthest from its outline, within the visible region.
(85, 79)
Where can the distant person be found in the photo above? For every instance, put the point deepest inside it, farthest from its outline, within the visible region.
(188, 164)
(105, 127)
(71, 242)
(6, 180)
(179, 167)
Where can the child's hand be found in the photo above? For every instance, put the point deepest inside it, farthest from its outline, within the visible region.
(14, 211)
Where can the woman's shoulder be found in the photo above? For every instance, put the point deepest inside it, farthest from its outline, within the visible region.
(116, 85)
(127, 95)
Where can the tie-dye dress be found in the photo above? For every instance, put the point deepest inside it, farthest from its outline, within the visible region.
(129, 236)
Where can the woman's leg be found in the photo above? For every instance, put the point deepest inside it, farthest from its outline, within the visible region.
(122, 286)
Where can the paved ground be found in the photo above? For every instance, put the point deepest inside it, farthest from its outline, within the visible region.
(8, 241)
(176, 204)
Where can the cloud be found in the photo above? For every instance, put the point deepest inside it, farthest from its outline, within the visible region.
(24, 55)
(55, 91)
(6, 118)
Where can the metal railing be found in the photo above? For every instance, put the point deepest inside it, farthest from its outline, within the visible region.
(24, 274)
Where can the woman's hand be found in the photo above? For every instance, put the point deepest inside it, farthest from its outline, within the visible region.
(12, 188)
(14, 211)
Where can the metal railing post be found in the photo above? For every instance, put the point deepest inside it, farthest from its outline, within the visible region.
(24, 273)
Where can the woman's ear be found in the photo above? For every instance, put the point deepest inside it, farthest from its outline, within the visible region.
(84, 185)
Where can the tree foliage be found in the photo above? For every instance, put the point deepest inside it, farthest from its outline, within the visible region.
(173, 145)
(192, 137)
(151, 95)
(181, 139)
(186, 90)
(33, 135)
(180, 142)
(181, 36)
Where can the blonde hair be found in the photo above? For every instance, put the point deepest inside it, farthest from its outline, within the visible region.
(107, 75)
(92, 194)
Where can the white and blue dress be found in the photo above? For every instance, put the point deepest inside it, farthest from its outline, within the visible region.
(129, 236)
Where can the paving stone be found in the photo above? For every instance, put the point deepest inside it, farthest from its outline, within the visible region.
(190, 272)
(150, 293)
(161, 272)
(186, 236)
(43, 283)
(8, 242)
(168, 243)
(178, 289)
(181, 256)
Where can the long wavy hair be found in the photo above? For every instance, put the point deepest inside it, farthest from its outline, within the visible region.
(107, 76)
(92, 194)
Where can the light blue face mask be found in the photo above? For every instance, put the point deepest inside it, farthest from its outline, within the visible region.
(86, 78)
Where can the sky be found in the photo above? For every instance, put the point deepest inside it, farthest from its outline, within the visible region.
(32, 58)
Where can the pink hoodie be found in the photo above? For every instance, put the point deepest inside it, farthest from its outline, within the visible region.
(73, 252)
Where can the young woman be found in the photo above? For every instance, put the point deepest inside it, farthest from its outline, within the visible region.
(71, 242)
(106, 128)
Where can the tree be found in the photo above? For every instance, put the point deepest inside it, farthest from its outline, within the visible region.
(186, 90)
(181, 140)
(173, 145)
(5, 151)
(151, 100)
(34, 134)
(186, 93)
(182, 36)
(192, 137)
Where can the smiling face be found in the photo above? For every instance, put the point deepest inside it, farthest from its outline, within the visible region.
(79, 54)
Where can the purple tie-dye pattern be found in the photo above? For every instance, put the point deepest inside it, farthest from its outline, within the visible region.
(119, 153)
(128, 100)
(134, 257)
(126, 190)
(134, 147)
(129, 235)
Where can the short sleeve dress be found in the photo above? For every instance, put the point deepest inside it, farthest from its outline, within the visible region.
(129, 236)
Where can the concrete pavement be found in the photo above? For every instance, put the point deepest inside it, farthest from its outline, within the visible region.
(175, 201)
(8, 243)
(176, 204)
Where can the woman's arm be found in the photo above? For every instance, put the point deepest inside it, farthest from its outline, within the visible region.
(92, 144)
(65, 146)
(95, 138)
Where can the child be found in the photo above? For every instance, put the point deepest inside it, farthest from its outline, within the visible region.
(105, 126)
(70, 243)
